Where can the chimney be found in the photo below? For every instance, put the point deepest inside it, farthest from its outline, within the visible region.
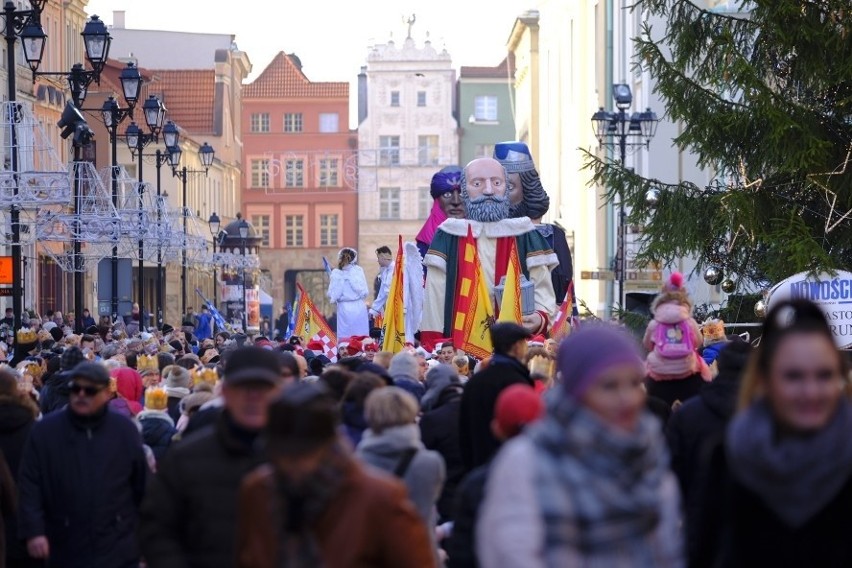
(362, 94)
(118, 19)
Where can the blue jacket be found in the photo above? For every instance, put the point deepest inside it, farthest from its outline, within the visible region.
(204, 329)
(710, 352)
(81, 483)
(158, 429)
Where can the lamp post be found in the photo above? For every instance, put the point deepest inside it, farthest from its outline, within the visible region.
(206, 155)
(155, 115)
(214, 223)
(622, 130)
(26, 25)
(244, 228)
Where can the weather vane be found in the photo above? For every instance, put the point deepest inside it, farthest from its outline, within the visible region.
(410, 21)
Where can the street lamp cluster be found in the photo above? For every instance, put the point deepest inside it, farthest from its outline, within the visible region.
(621, 130)
(26, 25)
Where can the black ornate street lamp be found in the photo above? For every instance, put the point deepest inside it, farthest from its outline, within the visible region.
(244, 230)
(622, 130)
(214, 223)
(206, 154)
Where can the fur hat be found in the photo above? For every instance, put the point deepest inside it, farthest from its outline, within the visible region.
(672, 292)
(176, 377)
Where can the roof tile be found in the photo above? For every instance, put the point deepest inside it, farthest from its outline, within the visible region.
(189, 96)
(505, 70)
(283, 77)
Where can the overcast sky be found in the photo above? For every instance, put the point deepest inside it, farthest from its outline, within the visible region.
(331, 36)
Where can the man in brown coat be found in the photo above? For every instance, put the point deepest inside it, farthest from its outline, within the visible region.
(327, 509)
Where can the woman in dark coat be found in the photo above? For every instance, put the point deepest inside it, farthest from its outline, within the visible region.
(701, 422)
(18, 413)
(352, 408)
(439, 430)
(778, 490)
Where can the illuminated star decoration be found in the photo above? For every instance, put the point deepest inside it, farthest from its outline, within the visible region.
(831, 195)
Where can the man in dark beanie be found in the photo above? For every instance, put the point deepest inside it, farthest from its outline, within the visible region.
(505, 368)
(292, 509)
(197, 482)
(82, 478)
(54, 394)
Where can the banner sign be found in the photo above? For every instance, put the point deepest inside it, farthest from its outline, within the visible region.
(832, 293)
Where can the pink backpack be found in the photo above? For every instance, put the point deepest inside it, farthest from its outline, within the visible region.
(673, 340)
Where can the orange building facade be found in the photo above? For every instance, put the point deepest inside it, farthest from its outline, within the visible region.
(298, 186)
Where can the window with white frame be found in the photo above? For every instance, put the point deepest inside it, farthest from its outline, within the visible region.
(485, 108)
(329, 122)
(394, 98)
(294, 173)
(421, 98)
(328, 224)
(389, 150)
(261, 228)
(427, 150)
(293, 122)
(260, 173)
(294, 230)
(260, 122)
(328, 172)
(484, 151)
(388, 203)
(424, 203)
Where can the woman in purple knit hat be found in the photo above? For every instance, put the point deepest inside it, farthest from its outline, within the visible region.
(589, 484)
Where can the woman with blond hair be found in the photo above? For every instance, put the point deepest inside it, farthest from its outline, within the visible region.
(778, 490)
(348, 289)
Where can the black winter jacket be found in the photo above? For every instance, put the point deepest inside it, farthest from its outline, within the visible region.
(16, 421)
(54, 394)
(189, 514)
(477, 443)
(439, 431)
(461, 546)
(737, 530)
(81, 483)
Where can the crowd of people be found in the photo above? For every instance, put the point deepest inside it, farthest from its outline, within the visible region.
(168, 451)
(125, 446)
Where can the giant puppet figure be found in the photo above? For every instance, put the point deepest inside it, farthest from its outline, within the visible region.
(484, 191)
(527, 198)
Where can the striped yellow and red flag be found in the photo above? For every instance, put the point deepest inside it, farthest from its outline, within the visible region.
(563, 322)
(474, 312)
(510, 304)
(394, 320)
(311, 324)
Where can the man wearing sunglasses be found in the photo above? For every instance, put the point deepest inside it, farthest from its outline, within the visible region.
(82, 479)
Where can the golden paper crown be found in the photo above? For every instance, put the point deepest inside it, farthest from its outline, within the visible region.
(27, 335)
(542, 366)
(30, 368)
(147, 363)
(156, 399)
(204, 375)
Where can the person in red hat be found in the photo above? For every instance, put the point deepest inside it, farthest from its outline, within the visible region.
(355, 348)
(316, 346)
(517, 406)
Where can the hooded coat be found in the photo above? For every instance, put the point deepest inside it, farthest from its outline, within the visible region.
(158, 429)
(700, 423)
(129, 384)
(17, 417)
(425, 474)
(439, 430)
